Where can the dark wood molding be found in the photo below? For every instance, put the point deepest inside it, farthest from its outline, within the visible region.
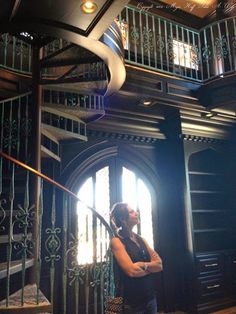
(121, 137)
(201, 139)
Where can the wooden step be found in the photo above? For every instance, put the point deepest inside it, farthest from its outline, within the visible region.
(30, 305)
(16, 237)
(15, 267)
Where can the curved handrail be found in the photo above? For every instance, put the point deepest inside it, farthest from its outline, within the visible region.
(109, 52)
(15, 97)
(59, 186)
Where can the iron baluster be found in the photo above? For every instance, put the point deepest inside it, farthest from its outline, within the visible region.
(65, 230)
(39, 239)
(10, 233)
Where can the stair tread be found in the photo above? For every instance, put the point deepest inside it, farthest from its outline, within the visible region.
(16, 237)
(30, 302)
(45, 152)
(15, 267)
(61, 134)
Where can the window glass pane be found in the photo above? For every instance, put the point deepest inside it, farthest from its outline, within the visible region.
(85, 241)
(102, 197)
(137, 195)
(145, 209)
(129, 190)
(184, 55)
(102, 205)
(93, 240)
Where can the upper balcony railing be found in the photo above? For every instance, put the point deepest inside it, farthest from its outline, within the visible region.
(165, 46)
(160, 44)
(152, 42)
(218, 48)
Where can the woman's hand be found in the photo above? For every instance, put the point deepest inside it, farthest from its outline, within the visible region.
(141, 265)
(155, 265)
(131, 269)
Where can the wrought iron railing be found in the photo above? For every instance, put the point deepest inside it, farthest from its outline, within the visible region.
(64, 123)
(218, 48)
(82, 72)
(73, 100)
(16, 126)
(16, 121)
(15, 53)
(158, 44)
(149, 41)
(49, 233)
(165, 46)
(55, 46)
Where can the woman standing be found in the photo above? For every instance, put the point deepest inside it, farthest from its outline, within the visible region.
(136, 262)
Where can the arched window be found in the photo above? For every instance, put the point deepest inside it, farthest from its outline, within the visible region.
(103, 187)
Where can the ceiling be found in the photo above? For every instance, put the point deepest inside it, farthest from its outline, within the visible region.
(194, 13)
(199, 8)
(60, 14)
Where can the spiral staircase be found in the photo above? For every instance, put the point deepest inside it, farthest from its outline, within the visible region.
(76, 64)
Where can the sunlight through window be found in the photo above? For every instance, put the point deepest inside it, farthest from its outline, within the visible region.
(102, 197)
(85, 245)
(137, 195)
(145, 211)
(93, 240)
(184, 55)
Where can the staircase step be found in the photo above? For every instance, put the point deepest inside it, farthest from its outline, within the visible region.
(50, 146)
(30, 303)
(81, 86)
(17, 237)
(45, 153)
(16, 266)
(82, 113)
(62, 134)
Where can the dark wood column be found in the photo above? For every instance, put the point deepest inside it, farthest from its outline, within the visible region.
(36, 109)
(36, 141)
(172, 214)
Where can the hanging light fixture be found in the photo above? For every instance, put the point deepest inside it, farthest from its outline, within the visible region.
(88, 6)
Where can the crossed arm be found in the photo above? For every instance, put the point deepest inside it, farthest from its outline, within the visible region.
(138, 269)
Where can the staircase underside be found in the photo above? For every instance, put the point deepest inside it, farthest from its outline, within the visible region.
(94, 87)
(82, 113)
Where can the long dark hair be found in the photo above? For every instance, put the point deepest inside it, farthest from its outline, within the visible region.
(119, 216)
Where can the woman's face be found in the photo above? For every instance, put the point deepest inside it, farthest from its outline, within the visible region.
(133, 218)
